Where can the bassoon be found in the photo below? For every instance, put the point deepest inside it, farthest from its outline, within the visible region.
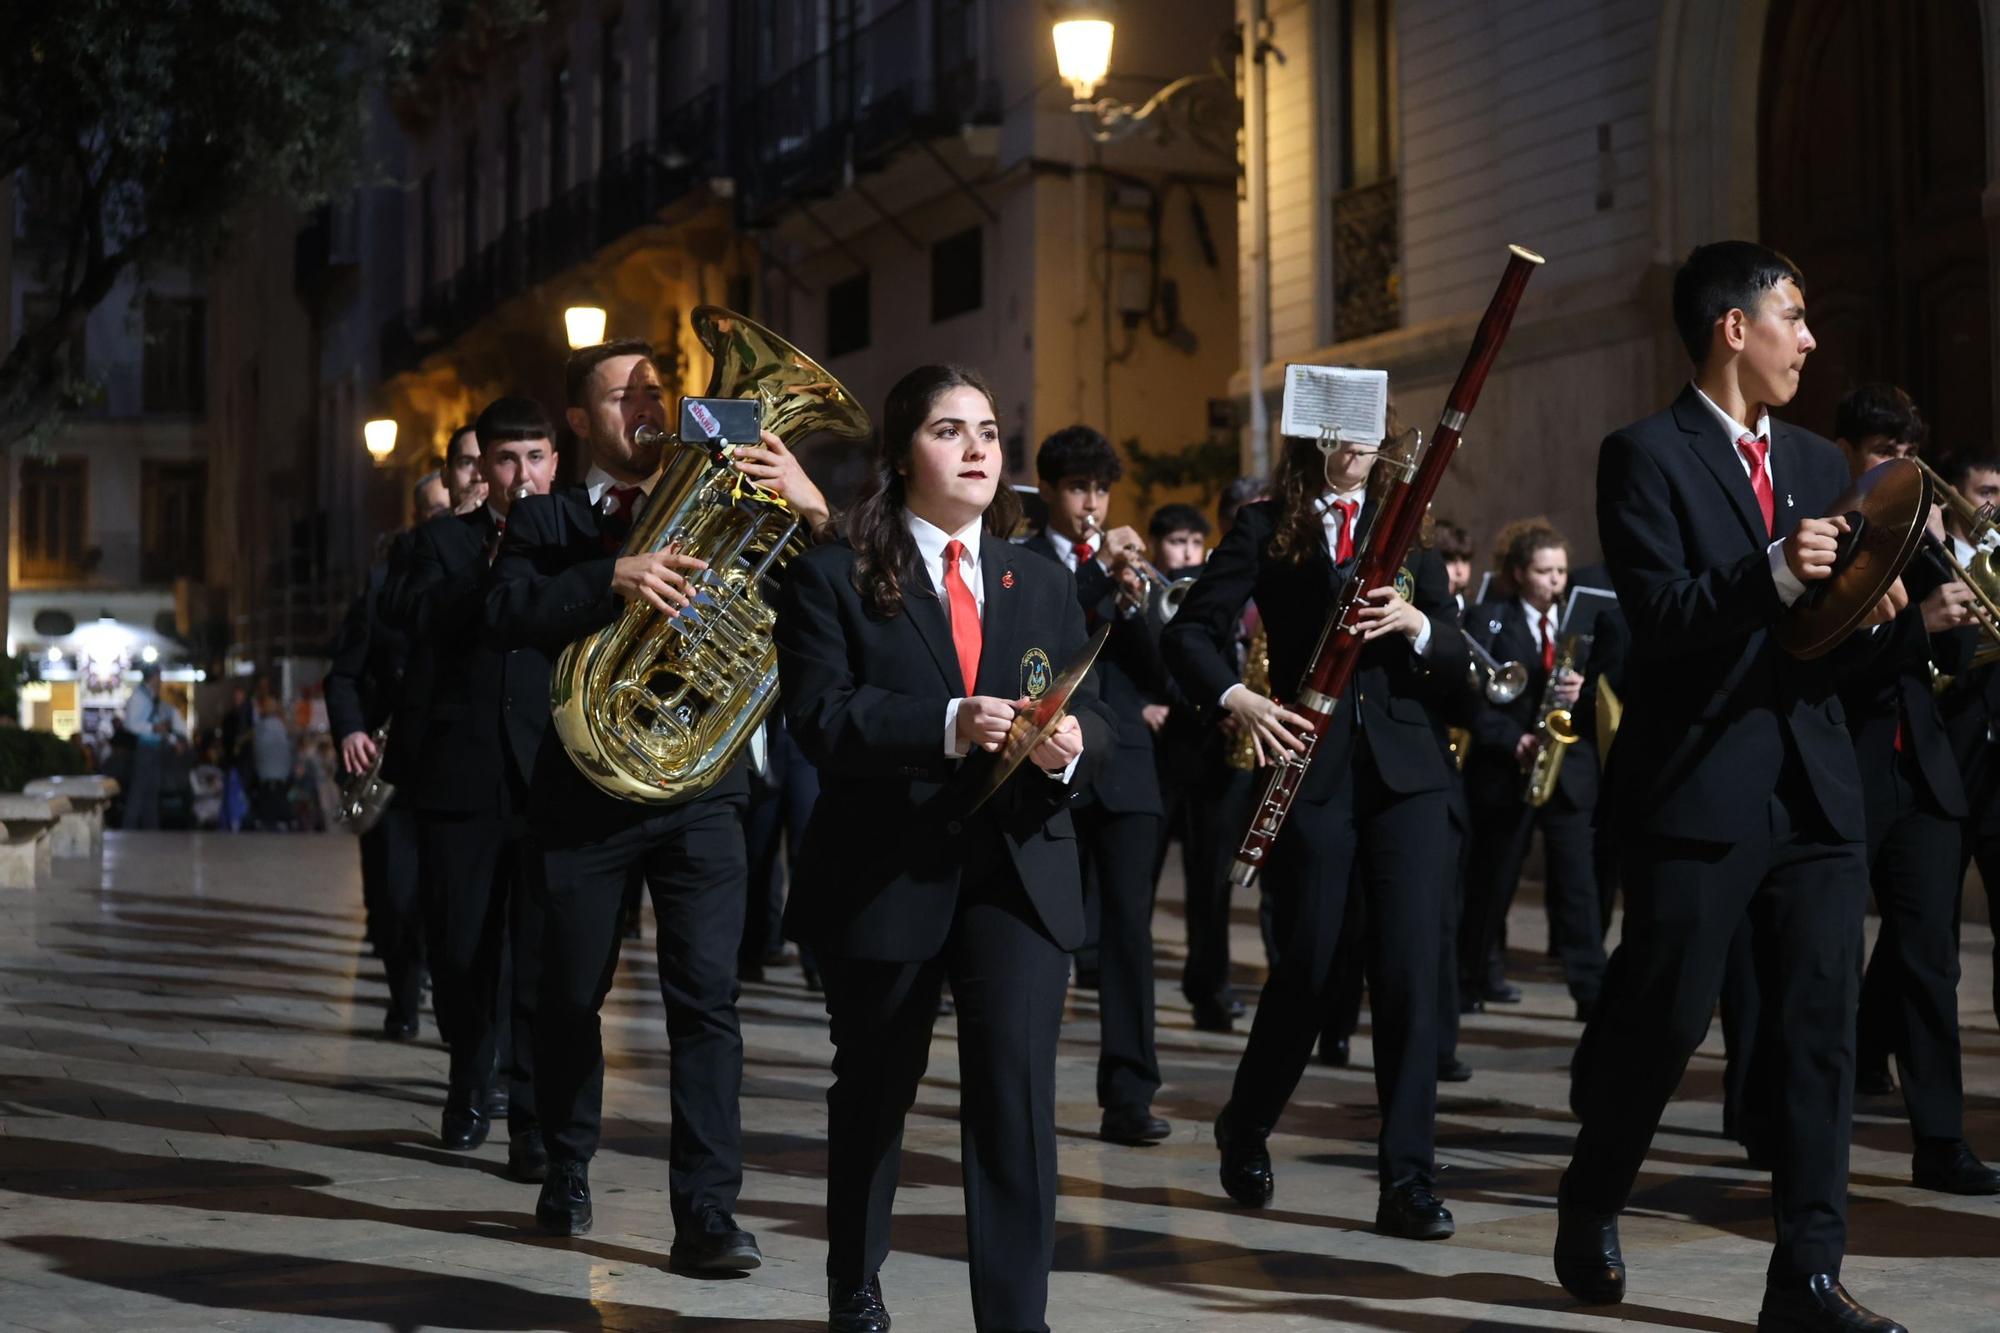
(1392, 530)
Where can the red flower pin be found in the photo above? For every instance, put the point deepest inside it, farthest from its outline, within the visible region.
(1007, 579)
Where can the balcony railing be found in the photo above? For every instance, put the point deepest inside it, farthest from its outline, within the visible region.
(855, 103)
(1367, 261)
(626, 193)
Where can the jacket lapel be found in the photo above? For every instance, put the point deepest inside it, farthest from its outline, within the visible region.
(1786, 460)
(1718, 453)
(926, 610)
(996, 624)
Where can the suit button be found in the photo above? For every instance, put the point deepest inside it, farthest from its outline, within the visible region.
(953, 826)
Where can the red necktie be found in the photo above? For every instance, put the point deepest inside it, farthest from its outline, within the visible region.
(964, 614)
(1084, 550)
(621, 504)
(1344, 549)
(1755, 451)
(1549, 640)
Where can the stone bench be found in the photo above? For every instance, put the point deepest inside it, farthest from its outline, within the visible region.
(80, 832)
(26, 856)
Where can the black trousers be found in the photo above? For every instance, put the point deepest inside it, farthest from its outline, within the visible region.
(1909, 996)
(692, 857)
(390, 880)
(471, 867)
(1008, 981)
(1501, 835)
(1118, 852)
(1217, 810)
(1802, 892)
(780, 803)
(1350, 958)
(1385, 845)
(1984, 848)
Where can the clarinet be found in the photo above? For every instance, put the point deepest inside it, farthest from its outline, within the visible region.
(1391, 533)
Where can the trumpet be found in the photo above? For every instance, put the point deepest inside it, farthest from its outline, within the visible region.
(1980, 575)
(1163, 596)
(1500, 682)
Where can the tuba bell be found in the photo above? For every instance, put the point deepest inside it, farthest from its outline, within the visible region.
(655, 708)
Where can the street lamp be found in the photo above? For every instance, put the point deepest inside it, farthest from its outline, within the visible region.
(380, 437)
(584, 324)
(1083, 33)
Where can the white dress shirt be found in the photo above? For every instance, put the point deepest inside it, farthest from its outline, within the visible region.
(597, 482)
(1535, 622)
(1790, 586)
(1066, 551)
(931, 541)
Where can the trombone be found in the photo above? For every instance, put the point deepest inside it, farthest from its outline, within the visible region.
(1501, 682)
(1979, 574)
(1163, 596)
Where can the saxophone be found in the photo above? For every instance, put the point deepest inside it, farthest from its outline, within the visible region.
(655, 709)
(1555, 729)
(1242, 752)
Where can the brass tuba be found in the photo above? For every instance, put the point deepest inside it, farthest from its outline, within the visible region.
(656, 708)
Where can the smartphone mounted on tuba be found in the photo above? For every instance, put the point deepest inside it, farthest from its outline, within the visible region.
(717, 423)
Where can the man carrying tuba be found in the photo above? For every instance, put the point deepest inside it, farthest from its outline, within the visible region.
(559, 577)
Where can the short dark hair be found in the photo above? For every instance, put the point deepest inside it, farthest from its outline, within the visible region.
(1960, 464)
(1719, 278)
(1878, 409)
(468, 428)
(1242, 491)
(586, 359)
(513, 418)
(1450, 541)
(1077, 451)
(1169, 519)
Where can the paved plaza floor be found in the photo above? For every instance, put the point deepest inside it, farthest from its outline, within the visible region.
(200, 1128)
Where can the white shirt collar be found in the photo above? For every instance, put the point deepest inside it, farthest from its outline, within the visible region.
(499, 519)
(1535, 617)
(931, 540)
(597, 481)
(1737, 430)
(1325, 503)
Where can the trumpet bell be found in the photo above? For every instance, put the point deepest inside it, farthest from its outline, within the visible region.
(1507, 684)
(1167, 603)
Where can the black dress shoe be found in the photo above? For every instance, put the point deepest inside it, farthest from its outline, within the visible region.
(527, 1158)
(564, 1206)
(1469, 1002)
(1334, 1052)
(1874, 1081)
(1236, 1006)
(713, 1243)
(1589, 1262)
(1500, 992)
(1950, 1167)
(1246, 1163)
(1456, 1072)
(1817, 1304)
(1412, 1211)
(465, 1123)
(499, 1101)
(1134, 1126)
(855, 1307)
(1210, 1016)
(400, 1027)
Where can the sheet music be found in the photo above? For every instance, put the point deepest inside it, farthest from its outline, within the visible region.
(1322, 401)
(1580, 616)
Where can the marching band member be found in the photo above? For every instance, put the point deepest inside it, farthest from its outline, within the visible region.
(558, 578)
(1972, 710)
(901, 650)
(469, 769)
(1916, 810)
(1733, 785)
(1119, 813)
(1505, 741)
(1366, 820)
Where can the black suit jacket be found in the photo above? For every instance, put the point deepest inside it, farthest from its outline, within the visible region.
(1390, 687)
(1129, 676)
(367, 659)
(1712, 701)
(1894, 691)
(1492, 777)
(1971, 713)
(488, 706)
(551, 585)
(865, 698)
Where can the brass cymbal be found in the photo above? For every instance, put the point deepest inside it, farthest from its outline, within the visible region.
(1885, 509)
(1032, 725)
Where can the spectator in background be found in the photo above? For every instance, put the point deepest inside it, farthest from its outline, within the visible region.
(272, 759)
(154, 725)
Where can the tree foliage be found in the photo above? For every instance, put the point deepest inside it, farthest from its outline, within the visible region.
(140, 132)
